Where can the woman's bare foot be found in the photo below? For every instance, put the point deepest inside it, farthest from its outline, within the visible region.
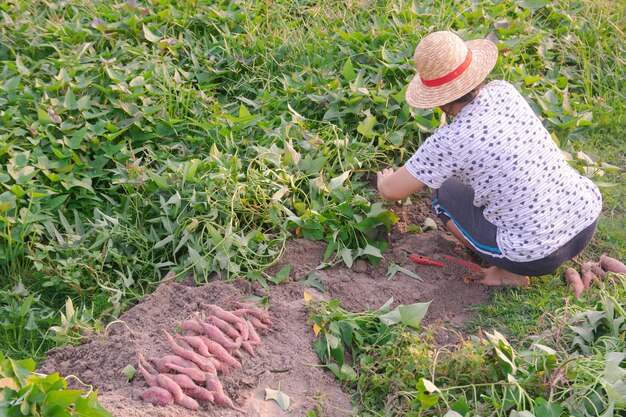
(496, 277)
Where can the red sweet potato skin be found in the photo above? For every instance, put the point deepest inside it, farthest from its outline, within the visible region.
(572, 277)
(170, 385)
(188, 402)
(162, 363)
(587, 275)
(183, 381)
(157, 396)
(612, 265)
(194, 374)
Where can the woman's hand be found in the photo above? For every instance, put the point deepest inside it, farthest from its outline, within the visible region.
(382, 175)
(397, 185)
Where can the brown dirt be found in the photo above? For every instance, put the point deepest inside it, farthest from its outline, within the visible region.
(285, 359)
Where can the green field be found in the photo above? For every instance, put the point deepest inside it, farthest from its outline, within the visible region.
(139, 139)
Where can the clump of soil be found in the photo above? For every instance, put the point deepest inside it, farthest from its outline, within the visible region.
(285, 359)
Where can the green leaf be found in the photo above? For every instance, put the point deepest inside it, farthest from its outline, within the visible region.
(151, 37)
(372, 251)
(60, 398)
(395, 268)
(129, 371)
(338, 181)
(348, 71)
(70, 102)
(534, 4)
(280, 397)
(312, 280)
(22, 369)
(366, 127)
(392, 317)
(282, 275)
(412, 314)
(546, 409)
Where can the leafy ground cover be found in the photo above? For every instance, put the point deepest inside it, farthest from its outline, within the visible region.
(139, 139)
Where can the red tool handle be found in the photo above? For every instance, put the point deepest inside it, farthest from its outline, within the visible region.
(424, 260)
(468, 264)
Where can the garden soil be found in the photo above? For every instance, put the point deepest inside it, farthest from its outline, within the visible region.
(284, 360)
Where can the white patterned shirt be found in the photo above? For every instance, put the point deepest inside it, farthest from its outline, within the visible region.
(498, 146)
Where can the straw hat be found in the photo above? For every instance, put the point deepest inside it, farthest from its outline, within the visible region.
(448, 68)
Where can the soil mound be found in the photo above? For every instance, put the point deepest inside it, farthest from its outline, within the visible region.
(285, 359)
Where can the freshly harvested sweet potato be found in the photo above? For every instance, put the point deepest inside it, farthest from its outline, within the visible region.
(587, 275)
(243, 330)
(202, 362)
(191, 326)
(225, 327)
(256, 311)
(157, 396)
(572, 277)
(257, 323)
(247, 346)
(220, 352)
(150, 378)
(216, 334)
(597, 269)
(192, 373)
(162, 363)
(188, 402)
(183, 381)
(221, 313)
(253, 336)
(196, 343)
(170, 385)
(141, 360)
(215, 385)
(199, 393)
(612, 265)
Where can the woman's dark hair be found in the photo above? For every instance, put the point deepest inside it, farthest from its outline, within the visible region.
(469, 96)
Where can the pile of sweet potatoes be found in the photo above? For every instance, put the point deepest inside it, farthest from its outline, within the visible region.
(592, 272)
(211, 344)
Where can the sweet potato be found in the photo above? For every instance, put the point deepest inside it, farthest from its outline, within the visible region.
(191, 326)
(597, 269)
(257, 323)
(202, 362)
(200, 393)
(587, 275)
(183, 381)
(150, 378)
(157, 396)
(216, 334)
(221, 313)
(247, 346)
(572, 277)
(219, 365)
(253, 336)
(256, 311)
(243, 330)
(170, 385)
(612, 265)
(220, 352)
(161, 363)
(188, 402)
(193, 373)
(141, 360)
(214, 384)
(196, 343)
(225, 327)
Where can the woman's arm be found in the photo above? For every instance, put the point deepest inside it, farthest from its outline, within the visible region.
(397, 185)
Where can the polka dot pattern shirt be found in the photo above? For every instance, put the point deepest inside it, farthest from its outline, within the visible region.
(498, 146)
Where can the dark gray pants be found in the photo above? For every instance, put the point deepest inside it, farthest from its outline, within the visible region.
(454, 202)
